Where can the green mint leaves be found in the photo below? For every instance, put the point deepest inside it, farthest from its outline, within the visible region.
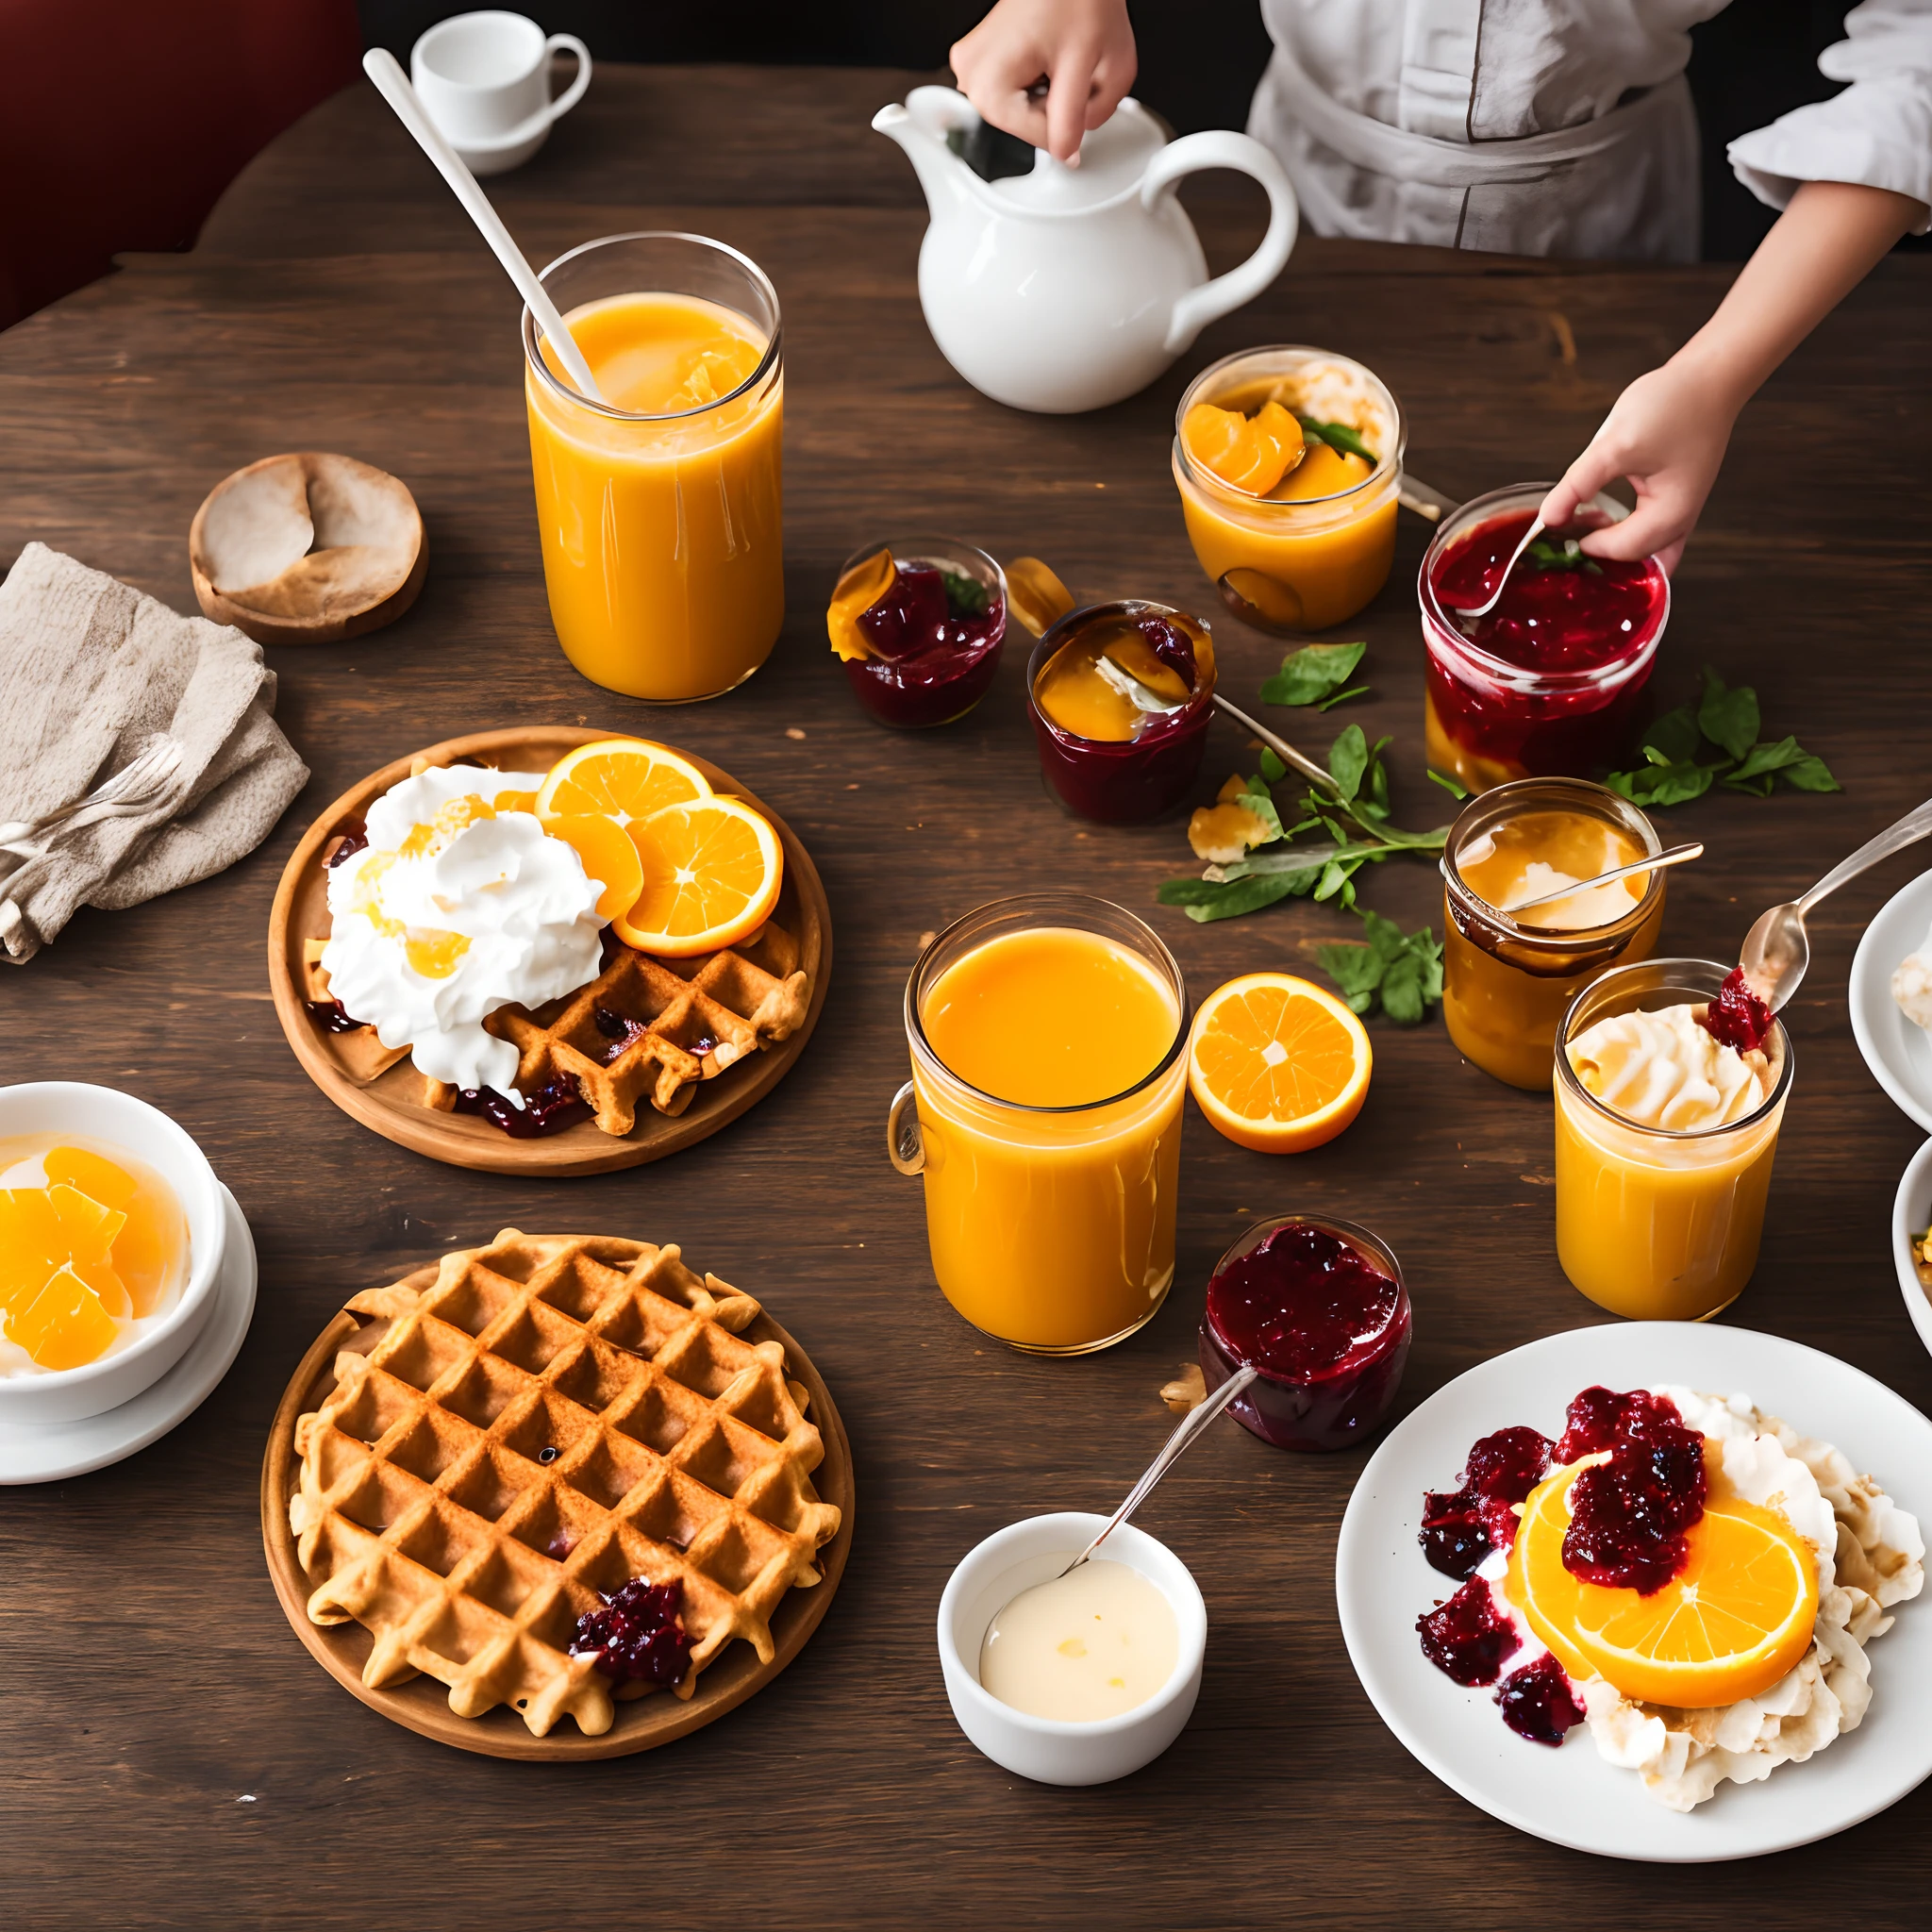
(1337, 435)
(967, 595)
(1403, 971)
(1568, 555)
(1314, 675)
(1677, 749)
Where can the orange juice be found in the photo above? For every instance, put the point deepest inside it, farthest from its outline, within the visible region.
(660, 515)
(1049, 1085)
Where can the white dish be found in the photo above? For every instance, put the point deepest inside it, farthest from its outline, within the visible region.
(1050, 1750)
(1898, 1053)
(107, 1115)
(48, 1452)
(1570, 1796)
(1911, 1213)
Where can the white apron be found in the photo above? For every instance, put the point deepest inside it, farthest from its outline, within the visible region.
(1622, 187)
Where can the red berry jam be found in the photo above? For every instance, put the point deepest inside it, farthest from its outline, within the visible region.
(332, 1016)
(1737, 1017)
(1627, 1516)
(637, 1635)
(1462, 1526)
(1322, 1319)
(1538, 1702)
(353, 838)
(1468, 1638)
(556, 1104)
(617, 1028)
(936, 635)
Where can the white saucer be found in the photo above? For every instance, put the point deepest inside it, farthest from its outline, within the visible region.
(1898, 1053)
(52, 1451)
(1570, 1796)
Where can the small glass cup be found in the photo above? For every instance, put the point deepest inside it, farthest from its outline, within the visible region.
(1052, 1229)
(1286, 565)
(934, 686)
(1507, 982)
(1335, 1407)
(1488, 721)
(1652, 1223)
(663, 551)
(1122, 781)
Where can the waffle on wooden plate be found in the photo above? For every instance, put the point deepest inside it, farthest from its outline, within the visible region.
(473, 1459)
(664, 1050)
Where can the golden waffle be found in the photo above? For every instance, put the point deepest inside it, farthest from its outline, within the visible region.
(424, 1513)
(652, 1027)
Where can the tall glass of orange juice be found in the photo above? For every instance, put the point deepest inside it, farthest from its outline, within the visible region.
(1665, 1140)
(659, 507)
(1046, 1033)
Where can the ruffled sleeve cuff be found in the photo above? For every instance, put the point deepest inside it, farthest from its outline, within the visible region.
(1877, 133)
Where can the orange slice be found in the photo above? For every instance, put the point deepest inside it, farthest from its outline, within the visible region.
(623, 778)
(1251, 454)
(1035, 595)
(1737, 1618)
(1277, 1064)
(92, 1173)
(610, 856)
(64, 1326)
(858, 590)
(1324, 472)
(712, 871)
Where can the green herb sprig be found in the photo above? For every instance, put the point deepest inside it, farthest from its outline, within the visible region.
(1566, 556)
(1337, 435)
(1677, 749)
(1403, 971)
(1314, 674)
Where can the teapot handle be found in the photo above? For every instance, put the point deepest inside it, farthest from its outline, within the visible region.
(1221, 147)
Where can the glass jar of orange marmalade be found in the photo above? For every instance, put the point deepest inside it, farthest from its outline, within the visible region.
(1507, 981)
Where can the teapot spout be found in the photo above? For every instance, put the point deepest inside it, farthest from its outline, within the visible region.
(920, 127)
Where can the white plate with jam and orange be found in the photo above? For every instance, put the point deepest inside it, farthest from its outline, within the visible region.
(1570, 1793)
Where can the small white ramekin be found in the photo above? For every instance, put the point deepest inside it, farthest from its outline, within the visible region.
(1911, 1213)
(106, 1116)
(1050, 1750)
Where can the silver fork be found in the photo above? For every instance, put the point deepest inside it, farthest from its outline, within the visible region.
(134, 788)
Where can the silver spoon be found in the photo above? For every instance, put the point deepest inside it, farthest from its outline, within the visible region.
(1777, 950)
(1676, 854)
(1143, 697)
(1191, 1425)
(1488, 604)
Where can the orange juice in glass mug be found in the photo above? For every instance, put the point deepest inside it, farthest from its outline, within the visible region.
(659, 508)
(1316, 546)
(1046, 1033)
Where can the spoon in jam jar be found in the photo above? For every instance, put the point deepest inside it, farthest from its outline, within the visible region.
(1496, 597)
(1191, 1426)
(1776, 949)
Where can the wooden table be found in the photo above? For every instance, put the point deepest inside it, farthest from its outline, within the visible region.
(174, 1758)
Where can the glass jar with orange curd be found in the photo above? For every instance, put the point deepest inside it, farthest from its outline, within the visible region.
(1310, 545)
(1507, 980)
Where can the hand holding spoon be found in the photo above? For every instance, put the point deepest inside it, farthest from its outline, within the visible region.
(1776, 949)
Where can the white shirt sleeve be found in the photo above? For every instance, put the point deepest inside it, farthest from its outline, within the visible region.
(1878, 131)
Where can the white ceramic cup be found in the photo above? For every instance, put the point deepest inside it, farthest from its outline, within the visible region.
(1051, 1750)
(485, 79)
(104, 1114)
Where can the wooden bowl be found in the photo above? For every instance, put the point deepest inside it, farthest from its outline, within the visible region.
(392, 1104)
(307, 548)
(422, 1704)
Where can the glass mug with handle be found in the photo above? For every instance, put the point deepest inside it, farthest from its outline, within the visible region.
(1048, 1036)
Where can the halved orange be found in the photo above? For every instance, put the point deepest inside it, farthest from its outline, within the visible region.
(1251, 454)
(623, 778)
(855, 593)
(1277, 1064)
(1737, 1618)
(609, 856)
(712, 871)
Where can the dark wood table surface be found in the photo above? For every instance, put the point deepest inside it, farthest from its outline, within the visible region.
(173, 1756)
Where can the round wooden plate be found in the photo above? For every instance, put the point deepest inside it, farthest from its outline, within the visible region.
(391, 1104)
(422, 1704)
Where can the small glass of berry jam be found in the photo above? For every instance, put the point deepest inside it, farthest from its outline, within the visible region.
(1319, 1309)
(1103, 756)
(1554, 682)
(923, 645)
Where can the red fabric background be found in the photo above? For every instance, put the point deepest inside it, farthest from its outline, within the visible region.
(122, 121)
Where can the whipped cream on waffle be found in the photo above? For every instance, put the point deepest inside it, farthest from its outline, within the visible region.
(453, 911)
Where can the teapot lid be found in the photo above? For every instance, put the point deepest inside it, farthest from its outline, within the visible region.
(1113, 157)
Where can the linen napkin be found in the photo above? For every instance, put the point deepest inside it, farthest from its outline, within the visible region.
(90, 670)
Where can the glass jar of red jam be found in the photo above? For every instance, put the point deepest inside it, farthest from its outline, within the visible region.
(1147, 770)
(1554, 682)
(934, 636)
(1319, 1309)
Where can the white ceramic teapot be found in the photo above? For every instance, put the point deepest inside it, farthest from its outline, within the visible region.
(1071, 288)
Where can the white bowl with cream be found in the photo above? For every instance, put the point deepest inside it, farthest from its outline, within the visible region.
(1051, 1750)
(1911, 1213)
(103, 1117)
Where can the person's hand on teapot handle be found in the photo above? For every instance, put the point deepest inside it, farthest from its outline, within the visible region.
(1669, 430)
(1084, 49)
